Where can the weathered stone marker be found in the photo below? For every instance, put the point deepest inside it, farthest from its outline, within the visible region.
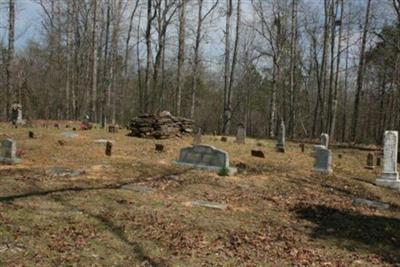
(241, 134)
(324, 140)
(205, 157)
(390, 176)
(224, 139)
(197, 138)
(8, 152)
(108, 149)
(258, 153)
(159, 147)
(323, 160)
(302, 147)
(112, 129)
(370, 161)
(31, 135)
(281, 140)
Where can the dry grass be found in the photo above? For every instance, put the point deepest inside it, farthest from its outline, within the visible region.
(280, 212)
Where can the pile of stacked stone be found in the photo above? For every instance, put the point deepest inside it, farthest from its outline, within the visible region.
(160, 126)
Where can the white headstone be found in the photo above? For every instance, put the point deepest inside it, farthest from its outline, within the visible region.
(324, 140)
(8, 152)
(241, 134)
(280, 144)
(390, 176)
(323, 159)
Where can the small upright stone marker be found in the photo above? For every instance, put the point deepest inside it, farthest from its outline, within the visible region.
(390, 176)
(108, 149)
(224, 139)
(370, 161)
(8, 152)
(197, 138)
(31, 135)
(323, 160)
(159, 147)
(112, 129)
(241, 134)
(324, 140)
(280, 144)
(258, 153)
(302, 147)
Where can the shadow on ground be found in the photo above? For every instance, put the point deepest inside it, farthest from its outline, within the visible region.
(354, 231)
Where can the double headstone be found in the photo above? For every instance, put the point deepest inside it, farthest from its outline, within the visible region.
(241, 134)
(323, 159)
(205, 157)
(324, 140)
(280, 144)
(390, 176)
(8, 152)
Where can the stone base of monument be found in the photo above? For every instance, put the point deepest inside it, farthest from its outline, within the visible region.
(10, 161)
(390, 180)
(230, 170)
(323, 171)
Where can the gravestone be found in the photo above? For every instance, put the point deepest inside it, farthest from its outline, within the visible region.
(280, 144)
(112, 129)
(16, 114)
(241, 134)
(302, 147)
(205, 157)
(224, 139)
(370, 161)
(324, 140)
(197, 138)
(323, 159)
(31, 135)
(258, 153)
(108, 149)
(8, 152)
(389, 176)
(159, 147)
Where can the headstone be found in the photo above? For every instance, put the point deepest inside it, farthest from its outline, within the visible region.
(208, 204)
(302, 147)
(224, 139)
(74, 129)
(31, 135)
(205, 157)
(280, 144)
(323, 159)
(8, 152)
(16, 114)
(108, 149)
(197, 138)
(159, 147)
(61, 142)
(257, 153)
(56, 125)
(69, 134)
(390, 176)
(112, 129)
(340, 156)
(241, 134)
(324, 140)
(370, 161)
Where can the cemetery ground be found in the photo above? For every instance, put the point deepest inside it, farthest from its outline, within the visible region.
(69, 204)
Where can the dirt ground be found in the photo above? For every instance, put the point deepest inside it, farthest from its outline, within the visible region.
(279, 212)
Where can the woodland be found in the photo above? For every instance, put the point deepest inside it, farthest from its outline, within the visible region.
(319, 65)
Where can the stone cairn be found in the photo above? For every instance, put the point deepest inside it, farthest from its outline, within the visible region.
(160, 126)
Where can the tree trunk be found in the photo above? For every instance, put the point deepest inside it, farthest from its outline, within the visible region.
(181, 55)
(227, 103)
(360, 75)
(10, 93)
